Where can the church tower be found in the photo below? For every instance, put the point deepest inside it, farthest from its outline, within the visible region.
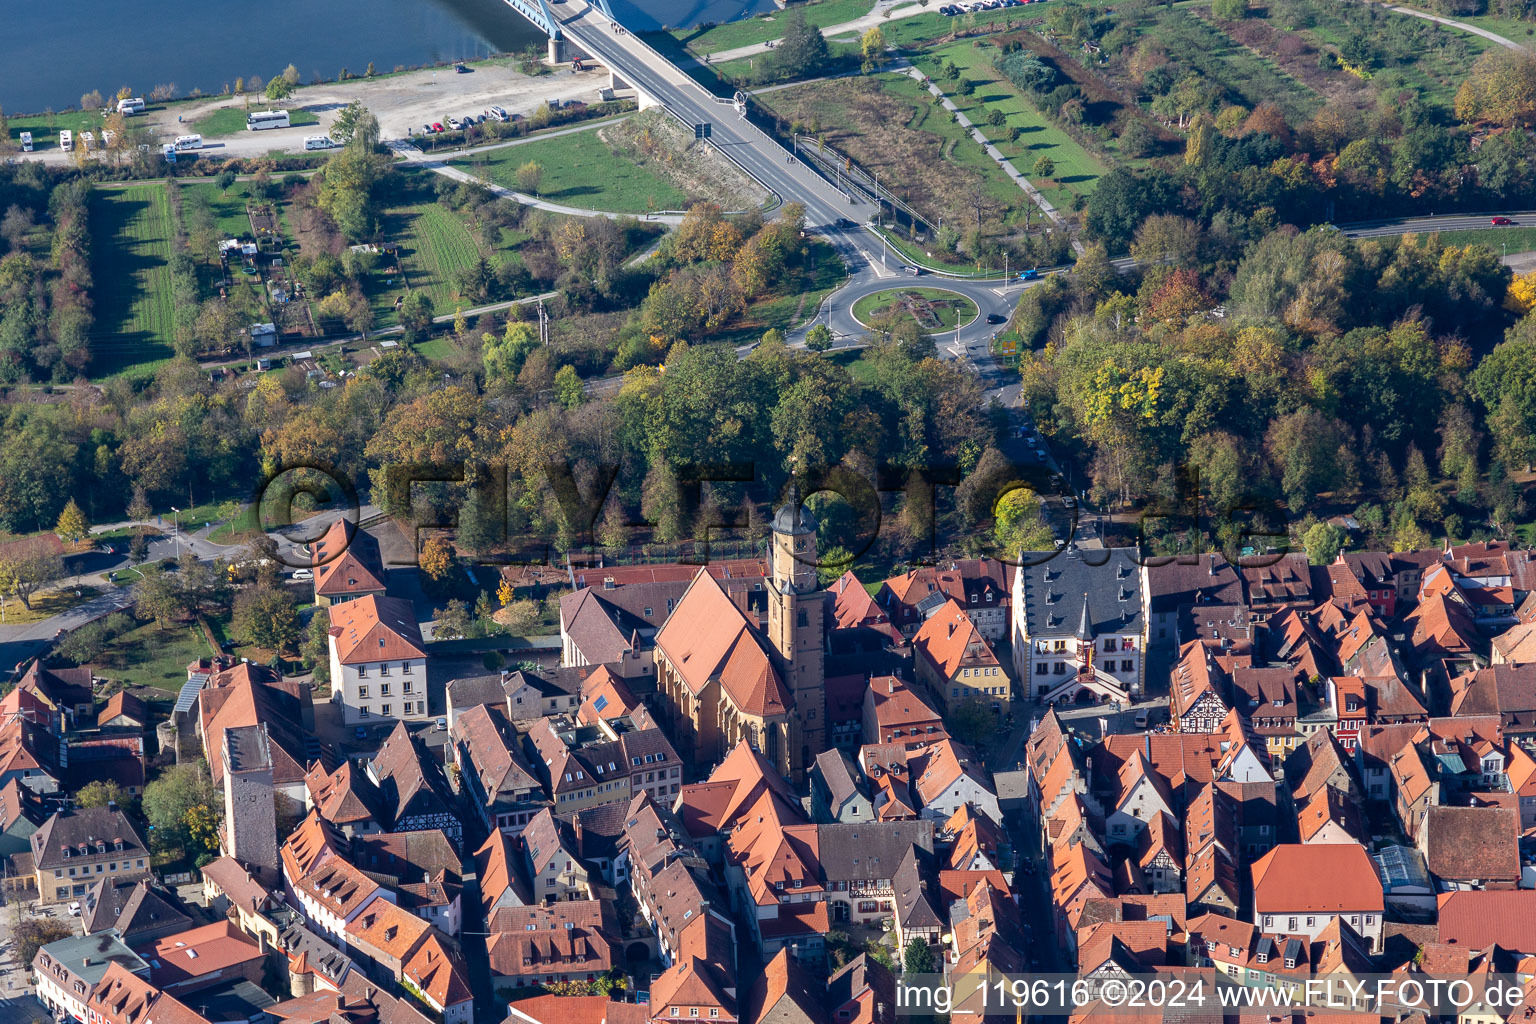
(795, 608)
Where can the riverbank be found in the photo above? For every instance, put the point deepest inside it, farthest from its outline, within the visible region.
(403, 103)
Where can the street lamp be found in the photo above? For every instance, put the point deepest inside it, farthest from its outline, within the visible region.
(176, 528)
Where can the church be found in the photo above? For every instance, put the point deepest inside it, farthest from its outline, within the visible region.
(721, 678)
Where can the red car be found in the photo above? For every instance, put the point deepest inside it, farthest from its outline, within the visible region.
(437, 126)
(1499, 222)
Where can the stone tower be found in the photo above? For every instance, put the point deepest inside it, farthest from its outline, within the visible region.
(795, 608)
(250, 802)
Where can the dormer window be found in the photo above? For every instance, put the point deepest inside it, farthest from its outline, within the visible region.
(1263, 958)
(1290, 962)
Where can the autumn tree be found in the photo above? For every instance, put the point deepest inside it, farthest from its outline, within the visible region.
(27, 569)
(436, 558)
(1018, 523)
(176, 804)
(1045, 167)
(528, 176)
(1323, 542)
(72, 526)
(33, 933)
(1501, 88)
(872, 48)
(101, 793)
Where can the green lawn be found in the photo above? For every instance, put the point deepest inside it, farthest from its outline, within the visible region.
(1500, 240)
(150, 656)
(1516, 30)
(1077, 171)
(130, 247)
(822, 13)
(45, 130)
(581, 171)
(952, 309)
(231, 120)
(228, 207)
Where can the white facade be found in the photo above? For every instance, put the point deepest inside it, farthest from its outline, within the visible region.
(54, 994)
(1046, 662)
(964, 790)
(1368, 924)
(371, 690)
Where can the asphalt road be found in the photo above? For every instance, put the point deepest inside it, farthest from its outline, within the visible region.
(1426, 225)
(653, 75)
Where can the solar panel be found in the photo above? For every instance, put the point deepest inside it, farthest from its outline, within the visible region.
(189, 690)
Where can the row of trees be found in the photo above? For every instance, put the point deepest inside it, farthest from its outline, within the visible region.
(46, 317)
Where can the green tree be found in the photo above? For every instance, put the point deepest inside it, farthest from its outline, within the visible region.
(416, 314)
(1323, 542)
(1230, 10)
(169, 799)
(818, 338)
(503, 356)
(569, 391)
(1045, 167)
(267, 617)
(345, 125)
(802, 50)
(100, 793)
(917, 958)
(1018, 525)
(316, 647)
(279, 88)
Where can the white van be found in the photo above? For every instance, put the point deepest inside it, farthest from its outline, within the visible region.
(131, 106)
(319, 142)
(66, 140)
(26, 142)
(189, 142)
(169, 151)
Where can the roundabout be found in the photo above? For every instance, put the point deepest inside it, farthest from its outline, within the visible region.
(934, 309)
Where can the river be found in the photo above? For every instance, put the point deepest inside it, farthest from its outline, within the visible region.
(51, 58)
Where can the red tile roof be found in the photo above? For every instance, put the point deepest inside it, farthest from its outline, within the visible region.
(375, 629)
(1327, 879)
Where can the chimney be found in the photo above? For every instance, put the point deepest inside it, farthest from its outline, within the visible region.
(890, 684)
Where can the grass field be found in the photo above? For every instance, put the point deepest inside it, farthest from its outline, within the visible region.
(231, 120)
(433, 246)
(952, 309)
(130, 246)
(228, 207)
(1077, 171)
(581, 171)
(45, 606)
(150, 656)
(45, 130)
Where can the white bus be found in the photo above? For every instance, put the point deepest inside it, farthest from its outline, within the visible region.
(66, 140)
(131, 106)
(260, 120)
(319, 142)
(26, 142)
(189, 142)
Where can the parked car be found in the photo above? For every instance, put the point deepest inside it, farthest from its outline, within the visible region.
(303, 574)
(437, 126)
(428, 129)
(461, 69)
(361, 733)
(441, 723)
(454, 124)
(74, 909)
(1499, 222)
(1039, 454)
